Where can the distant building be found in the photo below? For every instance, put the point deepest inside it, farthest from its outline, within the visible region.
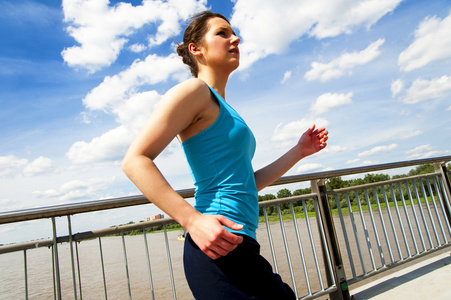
(156, 217)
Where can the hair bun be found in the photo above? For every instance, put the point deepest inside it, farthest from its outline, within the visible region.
(181, 50)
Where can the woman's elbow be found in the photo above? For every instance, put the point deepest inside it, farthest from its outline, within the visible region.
(126, 166)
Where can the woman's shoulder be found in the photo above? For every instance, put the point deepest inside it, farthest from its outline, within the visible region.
(191, 97)
(193, 88)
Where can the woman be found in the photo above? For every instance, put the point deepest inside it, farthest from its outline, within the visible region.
(221, 256)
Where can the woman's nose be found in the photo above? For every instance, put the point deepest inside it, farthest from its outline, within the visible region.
(235, 39)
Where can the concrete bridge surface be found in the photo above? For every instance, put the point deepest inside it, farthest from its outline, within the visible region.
(424, 278)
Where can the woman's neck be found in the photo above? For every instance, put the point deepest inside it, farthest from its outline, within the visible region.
(216, 81)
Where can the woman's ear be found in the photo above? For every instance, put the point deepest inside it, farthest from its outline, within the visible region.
(195, 50)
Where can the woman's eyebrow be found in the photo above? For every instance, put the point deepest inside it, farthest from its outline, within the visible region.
(226, 29)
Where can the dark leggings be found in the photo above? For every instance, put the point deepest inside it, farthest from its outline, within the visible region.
(242, 274)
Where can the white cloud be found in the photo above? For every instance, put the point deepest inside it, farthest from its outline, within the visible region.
(337, 17)
(102, 30)
(38, 166)
(421, 149)
(120, 95)
(77, 189)
(377, 150)
(289, 133)
(133, 112)
(115, 89)
(268, 27)
(334, 149)
(397, 87)
(411, 134)
(425, 151)
(422, 90)
(432, 43)
(110, 146)
(308, 167)
(286, 77)
(329, 101)
(11, 165)
(344, 63)
(137, 48)
(353, 161)
(369, 162)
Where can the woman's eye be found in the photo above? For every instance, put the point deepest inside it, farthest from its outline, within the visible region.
(221, 33)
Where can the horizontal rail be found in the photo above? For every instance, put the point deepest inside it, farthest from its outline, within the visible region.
(359, 170)
(379, 183)
(85, 235)
(81, 207)
(91, 206)
(287, 200)
(128, 227)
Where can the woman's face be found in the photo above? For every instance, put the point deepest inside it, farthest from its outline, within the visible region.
(220, 45)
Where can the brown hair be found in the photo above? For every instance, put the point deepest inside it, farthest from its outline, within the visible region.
(194, 33)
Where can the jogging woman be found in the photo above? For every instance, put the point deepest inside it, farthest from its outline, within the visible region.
(221, 254)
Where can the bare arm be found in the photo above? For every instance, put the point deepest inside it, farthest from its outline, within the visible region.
(178, 110)
(310, 142)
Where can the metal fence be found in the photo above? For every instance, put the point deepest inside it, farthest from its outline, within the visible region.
(348, 235)
(386, 223)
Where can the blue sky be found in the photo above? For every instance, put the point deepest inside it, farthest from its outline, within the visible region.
(78, 79)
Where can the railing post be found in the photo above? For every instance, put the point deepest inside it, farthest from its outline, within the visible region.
(441, 167)
(56, 269)
(342, 293)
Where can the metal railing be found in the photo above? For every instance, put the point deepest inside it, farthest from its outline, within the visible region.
(376, 226)
(392, 221)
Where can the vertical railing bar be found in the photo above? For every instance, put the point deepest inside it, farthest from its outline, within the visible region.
(53, 273)
(271, 244)
(103, 268)
(384, 228)
(428, 208)
(409, 195)
(356, 236)
(392, 224)
(345, 235)
(420, 208)
(301, 251)
(168, 253)
(414, 211)
(148, 263)
(401, 224)
(287, 250)
(56, 261)
(437, 214)
(78, 268)
(74, 280)
(409, 223)
(441, 204)
(312, 244)
(126, 266)
(326, 247)
(365, 230)
(373, 223)
(25, 272)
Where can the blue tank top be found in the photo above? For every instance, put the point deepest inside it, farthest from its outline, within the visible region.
(220, 162)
